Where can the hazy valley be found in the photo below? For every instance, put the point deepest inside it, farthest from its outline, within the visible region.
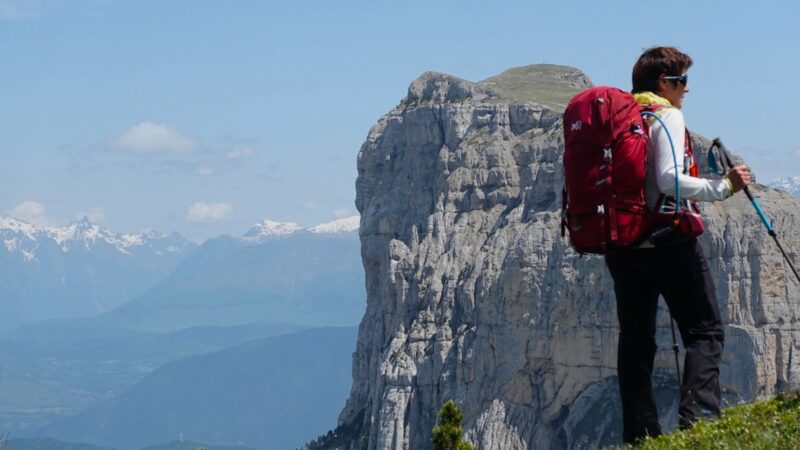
(227, 342)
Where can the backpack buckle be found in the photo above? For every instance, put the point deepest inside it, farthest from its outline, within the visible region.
(607, 154)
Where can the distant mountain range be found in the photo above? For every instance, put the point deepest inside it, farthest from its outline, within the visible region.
(83, 270)
(788, 184)
(276, 272)
(78, 270)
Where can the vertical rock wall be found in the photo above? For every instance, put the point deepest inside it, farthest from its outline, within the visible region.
(472, 294)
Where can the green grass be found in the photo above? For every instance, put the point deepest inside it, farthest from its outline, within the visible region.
(540, 83)
(769, 424)
(549, 85)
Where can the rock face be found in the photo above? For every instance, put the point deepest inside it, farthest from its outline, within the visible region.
(472, 294)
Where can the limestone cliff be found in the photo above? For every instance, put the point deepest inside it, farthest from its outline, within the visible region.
(472, 294)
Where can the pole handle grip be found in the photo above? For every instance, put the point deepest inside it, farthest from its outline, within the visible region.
(726, 157)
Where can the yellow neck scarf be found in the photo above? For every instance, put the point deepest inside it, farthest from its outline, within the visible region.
(650, 98)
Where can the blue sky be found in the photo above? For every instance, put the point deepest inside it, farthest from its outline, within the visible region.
(203, 117)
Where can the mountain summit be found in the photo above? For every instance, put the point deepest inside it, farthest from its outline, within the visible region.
(346, 225)
(269, 229)
(548, 85)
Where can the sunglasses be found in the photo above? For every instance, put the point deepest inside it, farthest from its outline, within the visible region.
(684, 79)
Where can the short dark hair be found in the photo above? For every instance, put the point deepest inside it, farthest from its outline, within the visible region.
(656, 61)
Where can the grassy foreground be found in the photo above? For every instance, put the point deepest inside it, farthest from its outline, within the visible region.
(769, 424)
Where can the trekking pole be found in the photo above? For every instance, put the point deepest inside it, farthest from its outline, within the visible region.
(770, 230)
(675, 349)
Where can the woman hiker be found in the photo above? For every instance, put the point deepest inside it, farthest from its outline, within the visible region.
(678, 272)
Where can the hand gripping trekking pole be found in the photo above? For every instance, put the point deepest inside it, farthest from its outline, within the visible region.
(726, 158)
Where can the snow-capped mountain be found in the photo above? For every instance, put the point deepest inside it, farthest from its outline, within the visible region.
(83, 269)
(79, 269)
(277, 272)
(788, 184)
(269, 229)
(346, 225)
(24, 238)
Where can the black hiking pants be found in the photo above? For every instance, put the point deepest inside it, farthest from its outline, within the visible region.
(680, 274)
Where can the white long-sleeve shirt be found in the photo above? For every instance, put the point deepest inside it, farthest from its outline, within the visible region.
(660, 176)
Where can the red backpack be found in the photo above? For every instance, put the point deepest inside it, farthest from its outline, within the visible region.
(605, 158)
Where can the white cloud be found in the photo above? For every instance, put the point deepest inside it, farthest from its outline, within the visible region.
(32, 212)
(208, 212)
(150, 138)
(240, 152)
(94, 215)
(28, 210)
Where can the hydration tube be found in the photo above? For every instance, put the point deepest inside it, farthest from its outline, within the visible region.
(674, 158)
(675, 347)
